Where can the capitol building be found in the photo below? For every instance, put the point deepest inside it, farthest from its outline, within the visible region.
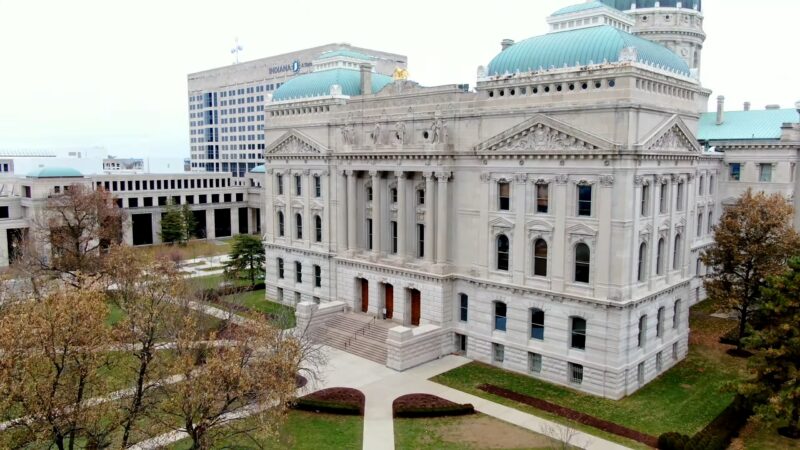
(549, 221)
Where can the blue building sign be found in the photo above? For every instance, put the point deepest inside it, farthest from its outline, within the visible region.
(294, 67)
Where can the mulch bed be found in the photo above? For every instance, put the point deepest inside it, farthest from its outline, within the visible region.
(571, 414)
(338, 400)
(427, 405)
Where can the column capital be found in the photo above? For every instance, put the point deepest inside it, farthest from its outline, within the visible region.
(442, 176)
(427, 175)
(374, 173)
(348, 172)
(401, 175)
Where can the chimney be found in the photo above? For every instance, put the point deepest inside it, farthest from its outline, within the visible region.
(720, 109)
(505, 43)
(366, 79)
(773, 107)
(747, 106)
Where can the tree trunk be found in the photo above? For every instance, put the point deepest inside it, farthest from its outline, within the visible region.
(742, 327)
(78, 400)
(793, 421)
(59, 441)
(136, 401)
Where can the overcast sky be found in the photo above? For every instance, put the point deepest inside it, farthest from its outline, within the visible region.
(113, 73)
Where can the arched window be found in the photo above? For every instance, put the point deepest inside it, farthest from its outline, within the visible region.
(317, 228)
(582, 264)
(502, 252)
(280, 224)
(540, 258)
(642, 330)
(660, 257)
(537, 324)
(500, 316)
(676, 253)
(298, 224)
(640, 274)
(577, 333)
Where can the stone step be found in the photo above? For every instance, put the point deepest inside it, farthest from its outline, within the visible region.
(356, 334)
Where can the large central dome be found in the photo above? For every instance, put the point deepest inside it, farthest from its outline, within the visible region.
(625, 5)
(580, 47)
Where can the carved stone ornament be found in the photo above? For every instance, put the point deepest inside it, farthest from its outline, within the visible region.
(541, 138)
(293, 144)
(521, 178)
(606, 180)
(306, 172)
(485, 177)
(562, 178)
(672, 140)
(348, 135)
(640, 180)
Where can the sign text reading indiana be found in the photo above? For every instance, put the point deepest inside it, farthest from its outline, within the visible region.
(293, 67)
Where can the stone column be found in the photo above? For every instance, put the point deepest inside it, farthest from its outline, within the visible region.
(341, 210)
(211, 232)
(327, 235)
(441, 217)
(352, 245)
(234, 221)
(604, 258)
(429, 224)
(402, 221)
(560, 246)
(155, 218)
(4, 256)
(308, 220)
(377, 226)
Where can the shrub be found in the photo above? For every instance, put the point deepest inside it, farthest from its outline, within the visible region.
(717, 435)
(343, 401)
(672, 441)
(426, 405)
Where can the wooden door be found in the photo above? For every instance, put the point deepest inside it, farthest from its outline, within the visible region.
(364, 295)
(415, 307)
(389, 300)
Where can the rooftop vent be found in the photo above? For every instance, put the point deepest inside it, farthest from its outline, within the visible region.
(773, 107)
(506, 43)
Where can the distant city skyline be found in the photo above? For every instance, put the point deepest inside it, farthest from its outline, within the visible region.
(94, 73)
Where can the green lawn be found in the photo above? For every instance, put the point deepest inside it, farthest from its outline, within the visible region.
(301, 431)
(683, 399)
(763, 436)
(212, 281)
(257, 301)
(476, 431)
(115, 314)
(192, 249)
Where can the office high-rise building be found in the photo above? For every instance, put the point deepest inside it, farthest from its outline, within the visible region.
(226, 105)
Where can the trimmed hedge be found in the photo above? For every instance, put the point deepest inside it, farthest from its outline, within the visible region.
(571, 414)
(426, 405)
(717, 435)
(342, 401)
(215, 296)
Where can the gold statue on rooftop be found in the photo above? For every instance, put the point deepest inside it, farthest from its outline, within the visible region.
(400, 74)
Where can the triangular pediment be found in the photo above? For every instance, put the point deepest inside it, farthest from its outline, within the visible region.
(294, 142)
(581, 229)
(671, 136)
(501, 222)
(542, 133)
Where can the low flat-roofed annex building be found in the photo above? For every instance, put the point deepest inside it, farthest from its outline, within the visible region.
(546, 223)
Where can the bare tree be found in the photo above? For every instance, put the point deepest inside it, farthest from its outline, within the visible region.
(77, 228)
(564, 437)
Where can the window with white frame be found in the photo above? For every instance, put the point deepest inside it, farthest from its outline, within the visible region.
(279, 179)
(503, 195)
(281, 224)
(584, 200)
(298, 224)
(645, 199)
(699, 224)
(463, 307)
(577, 333)
(280, 268)
(317, 228)
(765, 172)
(582, 263)
(317, 186)
(642, 334)
(659, 362)
(662, 199)
(298, 185)
(498, 352)
(679, 197)
(500, 316)
(676, 253)
(537, 324)
(542, 198)
(534, 362)
(503, 248)
(298, 272)
(660, 322)
(540, 258)
(317, 276)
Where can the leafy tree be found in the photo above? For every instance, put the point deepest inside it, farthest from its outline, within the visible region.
(173, 225)
(246, 257)
(149, 292)
(255, 370)
(752, 241)
(53, 353)
(776, 362)
(189, 222)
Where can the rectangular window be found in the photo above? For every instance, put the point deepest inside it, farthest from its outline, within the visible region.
(542, 198)
(537, 324)
(640, 373)
(202, 199)
(3, 212)
(317, 276)
(420, 240)
(190, 199)
(298, 187)
(735, 171)
(645, 199)
(133, 202)
(464, 307)
(393, 194)
(369, 234)
(162, 201)
(394, 236)
(535, 362)
(584, 200)
(679, 197)
(662, 199)
(710, 224)
(660, 322)
(498, 352)
(500, 316)
(575, 373)
(504, 196)
(280, 268)
(640, 337)
(420, 197)
(148, 201)
(675, 351)
(765, 173)
(279, 179)
(711, 184)
(317, 186)
(659, 362)
(298, 272)
(215, 198)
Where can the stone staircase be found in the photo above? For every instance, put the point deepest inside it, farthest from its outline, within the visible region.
(357, 334)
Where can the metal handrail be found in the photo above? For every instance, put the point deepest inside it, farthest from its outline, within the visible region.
(362, 330)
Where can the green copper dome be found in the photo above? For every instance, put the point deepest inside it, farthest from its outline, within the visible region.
(624, 5)
(581, 47)
(317, 84)
(345, 54)
(258, 169)
(55, 172)
(579, 8)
